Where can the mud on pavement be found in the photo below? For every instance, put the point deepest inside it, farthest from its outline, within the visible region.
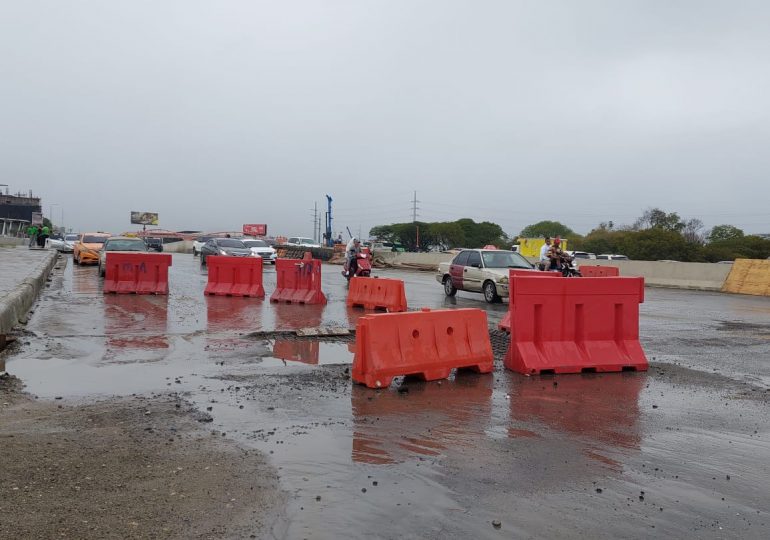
(133, 467)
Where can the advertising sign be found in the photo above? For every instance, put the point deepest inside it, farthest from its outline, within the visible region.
(37, 218)
(255, 229)
(144, 218)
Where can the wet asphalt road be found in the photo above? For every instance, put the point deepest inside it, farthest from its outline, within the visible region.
(680, 451)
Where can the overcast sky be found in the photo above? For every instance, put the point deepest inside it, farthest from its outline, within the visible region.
(219, 113)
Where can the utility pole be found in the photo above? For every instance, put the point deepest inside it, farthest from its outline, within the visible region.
(329, 239)
(414, 208)
(315, 221)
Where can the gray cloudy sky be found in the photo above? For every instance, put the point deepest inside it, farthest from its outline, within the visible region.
(218, 113)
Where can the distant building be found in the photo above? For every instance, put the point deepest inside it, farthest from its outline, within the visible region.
(16, 212)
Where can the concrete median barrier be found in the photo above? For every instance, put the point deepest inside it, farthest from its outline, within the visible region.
(18, 299)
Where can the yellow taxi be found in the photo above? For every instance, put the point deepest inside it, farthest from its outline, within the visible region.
(88, 246)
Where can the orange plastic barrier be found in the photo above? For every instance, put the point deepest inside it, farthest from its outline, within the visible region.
(136, 273)
(377, 293)
(426, 343)
(599, 271)
(235, 276)
(298, 281)
(505, 322)
(575, 325)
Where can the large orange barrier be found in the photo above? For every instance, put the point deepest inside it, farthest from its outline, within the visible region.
(377, 293)
(599, 271)
(505, 322)
(136, 273)
(425, 343)
(298, 281)
(234, 276)
(575, 325)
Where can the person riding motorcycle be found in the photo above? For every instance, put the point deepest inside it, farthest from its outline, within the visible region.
(351, 251)
(555, 255)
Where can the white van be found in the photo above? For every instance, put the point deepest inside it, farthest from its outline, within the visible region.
(302, 241)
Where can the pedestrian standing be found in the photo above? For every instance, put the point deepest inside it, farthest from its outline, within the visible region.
(32, 232)
(45, 232)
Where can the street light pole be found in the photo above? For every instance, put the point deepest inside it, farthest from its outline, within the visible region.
(50, 213)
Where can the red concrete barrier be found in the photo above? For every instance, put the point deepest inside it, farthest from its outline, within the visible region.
(298, 281)
(136, 273)
(599, 271)
(425, 343)
(234, 276)
(377, 293)
(575, 325)
(505, 322)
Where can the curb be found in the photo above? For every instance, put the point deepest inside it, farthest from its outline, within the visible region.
(17, 303)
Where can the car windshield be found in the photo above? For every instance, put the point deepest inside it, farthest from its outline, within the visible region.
(230, 243)
(255, 243)
(504, 259)
(203, 239)
(71, 237)
(125, 245)
(89, 239)
(306, 241)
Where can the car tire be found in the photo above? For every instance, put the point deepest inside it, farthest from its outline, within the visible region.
(490, 293)
(101, 271)
(449, 288)
(195, 253)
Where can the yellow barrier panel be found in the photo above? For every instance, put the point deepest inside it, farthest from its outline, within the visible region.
(749, 276)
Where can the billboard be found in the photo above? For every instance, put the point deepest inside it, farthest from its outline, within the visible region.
(37, 218)
(258, 229)
(144, 218)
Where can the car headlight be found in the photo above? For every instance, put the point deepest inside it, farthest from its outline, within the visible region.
(222, 252)
(502, 279)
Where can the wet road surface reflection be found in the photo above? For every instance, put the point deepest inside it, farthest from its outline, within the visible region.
(554, 457)
(453, 413)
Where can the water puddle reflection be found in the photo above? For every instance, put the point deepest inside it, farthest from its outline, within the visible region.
(450, 414)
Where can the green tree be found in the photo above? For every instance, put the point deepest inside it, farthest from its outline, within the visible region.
(724, 232)
(447, 235)
(657, 244)
(546, 228)
(655, 218)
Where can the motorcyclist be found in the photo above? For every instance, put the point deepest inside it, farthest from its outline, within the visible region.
(555, 254)
(351, 251)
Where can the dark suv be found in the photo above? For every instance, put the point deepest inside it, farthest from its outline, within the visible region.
(154, 244)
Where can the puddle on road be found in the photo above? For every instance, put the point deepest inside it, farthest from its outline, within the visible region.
(441, 460)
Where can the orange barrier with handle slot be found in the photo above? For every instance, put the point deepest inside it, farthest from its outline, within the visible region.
(599, 271)
(505, 322)
(136, 273)
(298, 281)
(575, 325)
(234, 276)
(377, 293)
(425, 343)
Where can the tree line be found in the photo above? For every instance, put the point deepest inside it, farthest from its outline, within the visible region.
(659, 235)
(655, 235)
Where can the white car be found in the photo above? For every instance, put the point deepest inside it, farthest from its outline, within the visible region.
(260, 248)
(609, 257)
(302, 241)
(581, 255)
(65, 245)
(481, 270)
(120, 244)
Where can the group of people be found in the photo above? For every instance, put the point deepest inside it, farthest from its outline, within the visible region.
(38, 235)
(551, 254)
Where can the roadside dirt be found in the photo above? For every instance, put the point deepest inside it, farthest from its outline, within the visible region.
(136, 467)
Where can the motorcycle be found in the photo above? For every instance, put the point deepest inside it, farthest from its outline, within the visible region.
(568, 268)
(363, 265)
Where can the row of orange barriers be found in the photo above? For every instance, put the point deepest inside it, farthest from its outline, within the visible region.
(147, 273)
(558, 325)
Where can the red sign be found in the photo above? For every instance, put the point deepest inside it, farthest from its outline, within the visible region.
(255, 229)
